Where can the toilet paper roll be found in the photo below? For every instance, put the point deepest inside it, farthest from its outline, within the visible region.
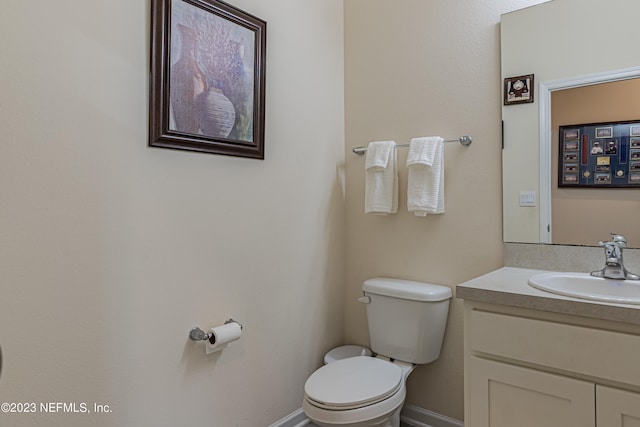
(222, 336)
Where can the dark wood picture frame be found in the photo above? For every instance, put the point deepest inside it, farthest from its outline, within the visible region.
(518, 90)
(207, 80)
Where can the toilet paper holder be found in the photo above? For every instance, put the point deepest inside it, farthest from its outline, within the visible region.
(197, 334)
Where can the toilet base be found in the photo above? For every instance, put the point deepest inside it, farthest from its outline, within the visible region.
(393, 421)
(381, 414)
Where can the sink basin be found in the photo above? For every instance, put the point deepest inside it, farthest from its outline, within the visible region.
(585, 286)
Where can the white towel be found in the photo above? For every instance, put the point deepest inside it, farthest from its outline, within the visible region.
(381, 185)
(425, 181)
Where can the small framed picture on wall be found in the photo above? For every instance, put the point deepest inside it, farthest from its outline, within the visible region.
(518, 90)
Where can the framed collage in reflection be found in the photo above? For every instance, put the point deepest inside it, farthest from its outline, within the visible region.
(599, 155)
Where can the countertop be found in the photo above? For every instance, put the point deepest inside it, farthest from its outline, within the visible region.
(508, 286)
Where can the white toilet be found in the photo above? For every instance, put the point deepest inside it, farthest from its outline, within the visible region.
(406, 326)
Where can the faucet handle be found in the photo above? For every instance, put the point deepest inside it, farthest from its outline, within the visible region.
(619, 240)
(616, 239)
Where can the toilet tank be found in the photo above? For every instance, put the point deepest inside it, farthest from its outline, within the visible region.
(406, 319)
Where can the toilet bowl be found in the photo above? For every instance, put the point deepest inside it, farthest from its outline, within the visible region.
(358, 391)
(406, 322)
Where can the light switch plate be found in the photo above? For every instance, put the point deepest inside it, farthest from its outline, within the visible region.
(527, 198)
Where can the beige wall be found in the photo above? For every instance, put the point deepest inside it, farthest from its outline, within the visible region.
(417, 68)
(111, 251)
(586, 216)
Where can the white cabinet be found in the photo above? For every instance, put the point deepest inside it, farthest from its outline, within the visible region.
(505, 395)
(617, 408)
(525, 368)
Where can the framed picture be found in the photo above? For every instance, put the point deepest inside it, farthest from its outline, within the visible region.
(599, 155)
(518, 90)
(603, 178)
(606, 132)
(571, 133)
(571, 145)
(207, 87)
(596, 148)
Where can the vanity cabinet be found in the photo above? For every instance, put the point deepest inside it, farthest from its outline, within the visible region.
(617, 408)
(506, 395)
(529, 368)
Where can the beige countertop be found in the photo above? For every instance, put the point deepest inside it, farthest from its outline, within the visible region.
(508, 286)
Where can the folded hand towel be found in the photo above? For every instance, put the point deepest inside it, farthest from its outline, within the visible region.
(381, 185)
(425, 181)
(378, 154)
(423, 150)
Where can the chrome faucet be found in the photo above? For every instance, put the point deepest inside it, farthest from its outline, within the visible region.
(614, 265)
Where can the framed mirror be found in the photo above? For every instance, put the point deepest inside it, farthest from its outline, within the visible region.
(564, 44)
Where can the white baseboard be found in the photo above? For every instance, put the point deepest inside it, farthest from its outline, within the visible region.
(419, 417)
(413, 415)
(295, 419)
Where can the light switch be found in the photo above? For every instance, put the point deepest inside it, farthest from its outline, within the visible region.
(527, 198)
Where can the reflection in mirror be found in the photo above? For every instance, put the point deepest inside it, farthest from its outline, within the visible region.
(556, 43)
(584, 216)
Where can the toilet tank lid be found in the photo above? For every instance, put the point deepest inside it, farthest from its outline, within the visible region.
(406, 289)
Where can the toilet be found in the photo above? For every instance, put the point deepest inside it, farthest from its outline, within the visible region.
(344, 352)
(406, 322)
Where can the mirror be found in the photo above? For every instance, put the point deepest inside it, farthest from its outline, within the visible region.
(583, 215)
(565, 44)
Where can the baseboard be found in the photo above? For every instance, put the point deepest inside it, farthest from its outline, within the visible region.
(294, 419)
(419, 417)
(413, 415)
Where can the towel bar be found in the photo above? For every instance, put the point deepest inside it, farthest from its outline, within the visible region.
(464, 140)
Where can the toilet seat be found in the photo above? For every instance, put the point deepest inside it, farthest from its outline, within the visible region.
(353, 383)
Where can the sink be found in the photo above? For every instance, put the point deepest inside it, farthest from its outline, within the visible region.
(585, 286)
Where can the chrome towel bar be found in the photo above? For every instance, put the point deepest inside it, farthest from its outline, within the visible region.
(464, 140)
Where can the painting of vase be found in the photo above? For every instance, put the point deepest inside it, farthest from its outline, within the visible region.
(187, 83)
(207, 78)
(211, 75)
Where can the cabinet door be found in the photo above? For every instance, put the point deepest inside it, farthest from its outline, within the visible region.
(504, 395)
(617, 408)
